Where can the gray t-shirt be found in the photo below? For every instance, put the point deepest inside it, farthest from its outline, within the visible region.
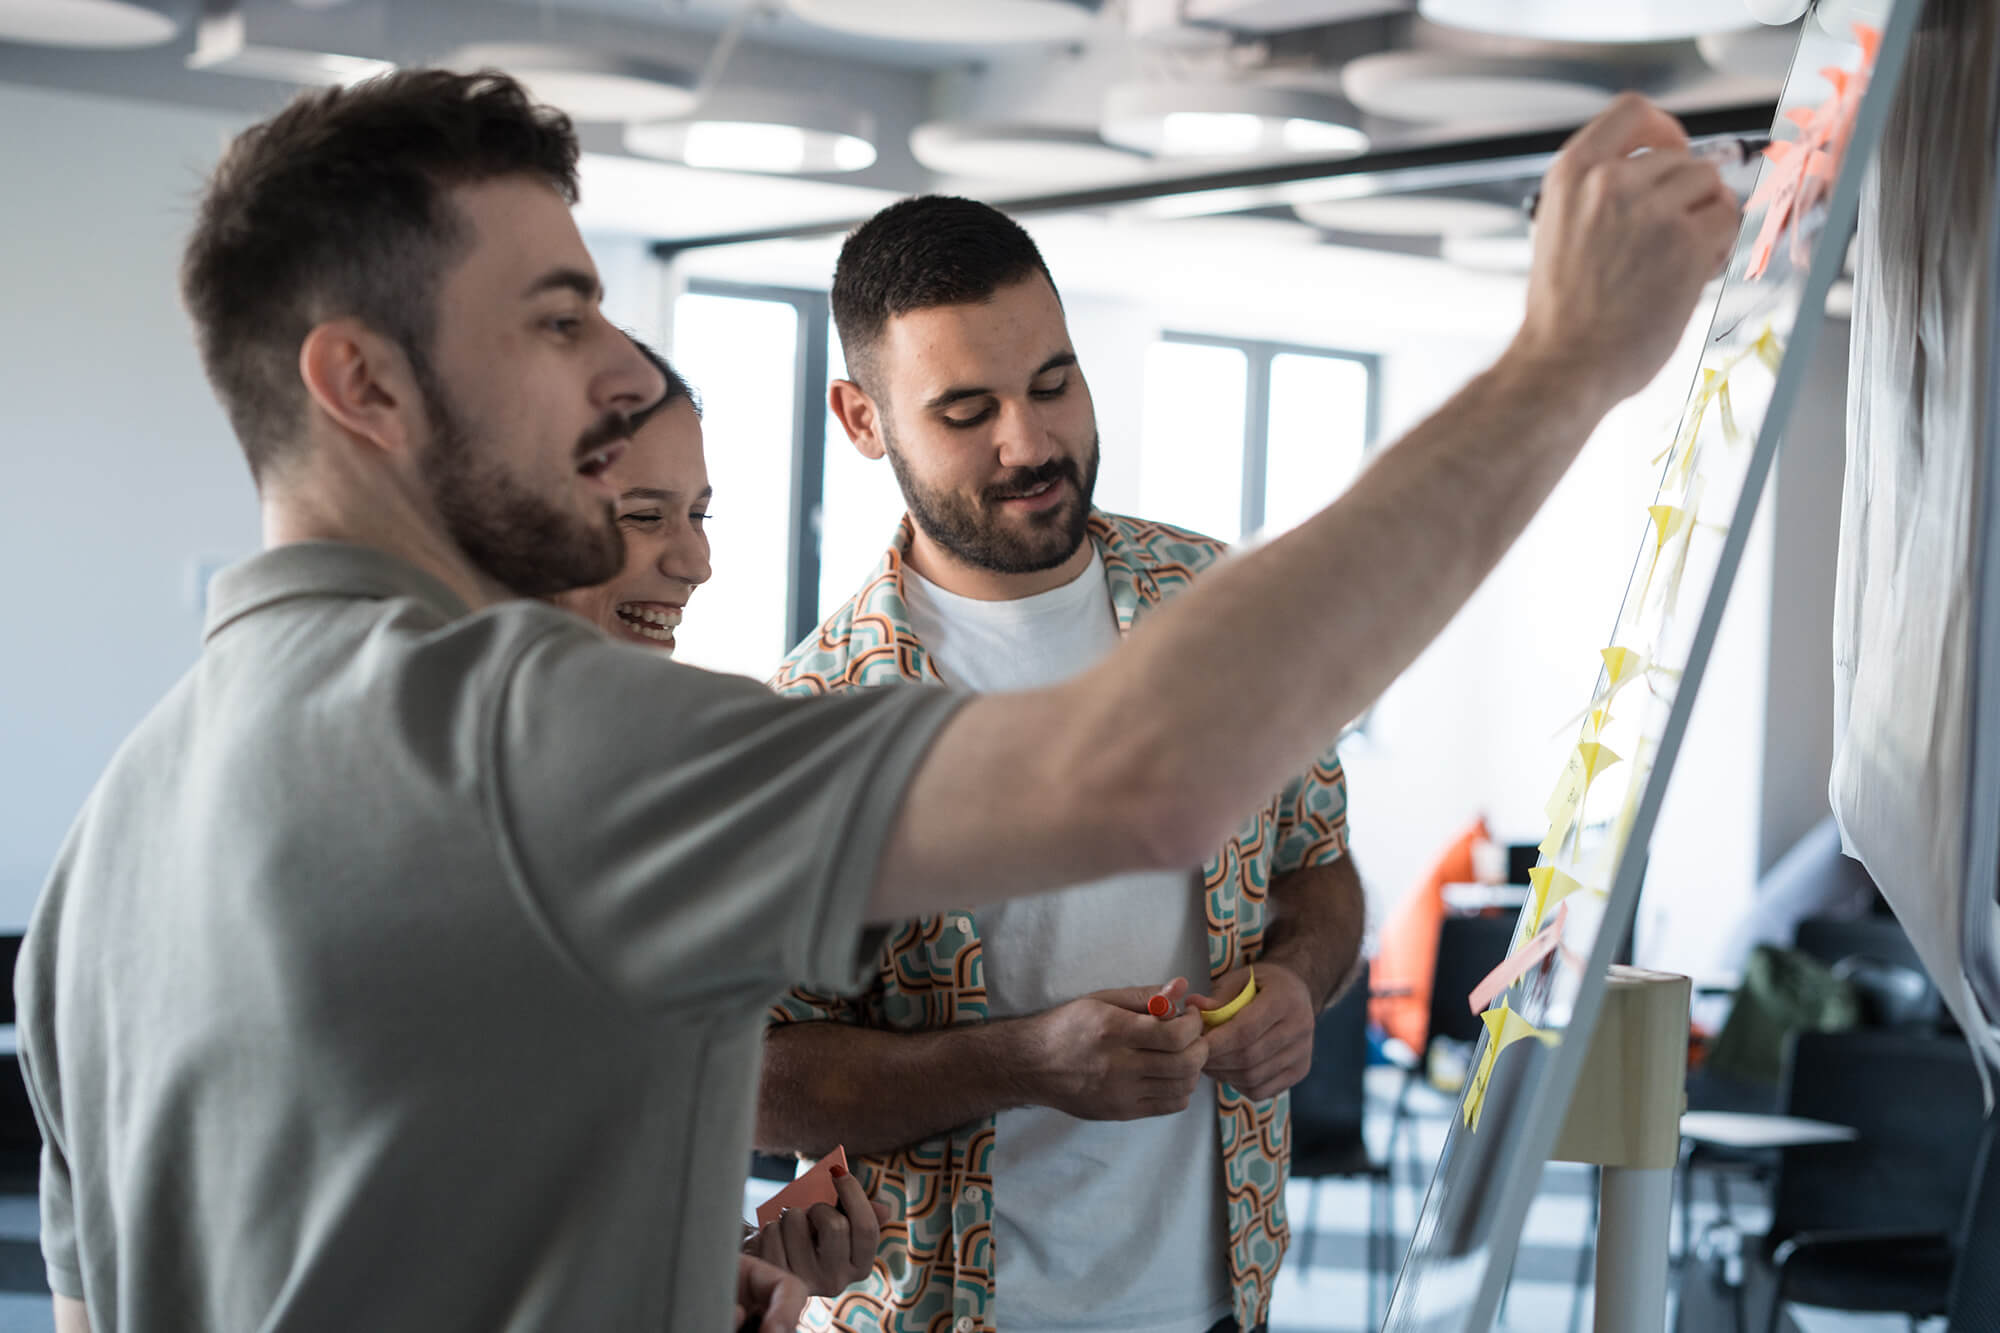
(406, 969)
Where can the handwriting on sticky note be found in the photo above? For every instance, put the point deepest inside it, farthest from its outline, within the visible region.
(1504, 1027)
(1518, 964)
(815, 1186)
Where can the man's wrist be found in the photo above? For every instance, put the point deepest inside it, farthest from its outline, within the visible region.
(1316, 973)
(1012, 1054)
(1550, 382)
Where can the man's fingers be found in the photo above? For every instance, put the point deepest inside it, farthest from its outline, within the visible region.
(1130, 998)
(1252, 1024)
(1165, 1034)
(1281, 1034)
(1621, 129)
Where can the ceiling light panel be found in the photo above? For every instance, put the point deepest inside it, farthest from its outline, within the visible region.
(954, 21)
(99, 24)
(1591, 20)
(1438, 87)
(766, 132)
(1229, 120)
(590, 85)
(1051, 154)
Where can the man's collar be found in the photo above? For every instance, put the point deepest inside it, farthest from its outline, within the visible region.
(321, 569)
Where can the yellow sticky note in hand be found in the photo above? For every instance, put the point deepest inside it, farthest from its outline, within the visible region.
(1504, 1027)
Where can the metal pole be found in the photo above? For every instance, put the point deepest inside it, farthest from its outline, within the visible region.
(1635, 1215)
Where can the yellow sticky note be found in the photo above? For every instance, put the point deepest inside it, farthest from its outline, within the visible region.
(1668, 521)
(1768, 349)
(1596, 758)
(1729, 428)
(1559, 826)
(1504, 1027)
(1551, 887)
(1621, 665)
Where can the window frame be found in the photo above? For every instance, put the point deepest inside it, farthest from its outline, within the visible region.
(808, 486)
(1258, 353)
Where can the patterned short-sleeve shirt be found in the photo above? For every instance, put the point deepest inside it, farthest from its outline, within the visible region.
(934, 1272)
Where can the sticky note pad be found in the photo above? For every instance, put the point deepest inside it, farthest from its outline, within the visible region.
(1215, 1018)
(815, 1186)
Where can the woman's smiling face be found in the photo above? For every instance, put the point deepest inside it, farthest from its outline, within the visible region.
(663, 495)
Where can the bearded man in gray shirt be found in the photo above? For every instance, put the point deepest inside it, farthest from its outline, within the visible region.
(406, 968)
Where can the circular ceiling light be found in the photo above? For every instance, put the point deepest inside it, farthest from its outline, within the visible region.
(989, 151)
(1435, 87)
(590, 85)
(1758, 53)
(99, 24)
(1229, 120)
(765, 132)
(967, 21)
(1591, 20)
(1412, 215)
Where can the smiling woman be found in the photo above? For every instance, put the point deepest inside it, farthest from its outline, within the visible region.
(663, 495)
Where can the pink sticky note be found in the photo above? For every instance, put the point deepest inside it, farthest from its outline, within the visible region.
(1534, 951)
(815, 1186)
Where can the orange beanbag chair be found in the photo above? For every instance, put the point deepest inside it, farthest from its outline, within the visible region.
(1406, 954)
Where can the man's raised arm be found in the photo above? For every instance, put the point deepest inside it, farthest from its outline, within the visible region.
(1210, 705)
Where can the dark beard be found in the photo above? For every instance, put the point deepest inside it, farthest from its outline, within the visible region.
(515, 537)
(967, 528)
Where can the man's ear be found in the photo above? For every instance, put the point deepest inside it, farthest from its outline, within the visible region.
(362, 382)
(858, 416)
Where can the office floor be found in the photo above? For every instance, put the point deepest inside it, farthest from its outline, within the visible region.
(1330, 1297)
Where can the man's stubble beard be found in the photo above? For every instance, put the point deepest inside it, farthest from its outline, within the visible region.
(522, 540)
(968, 530)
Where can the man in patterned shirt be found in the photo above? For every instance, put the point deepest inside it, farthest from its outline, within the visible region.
(985, 1073)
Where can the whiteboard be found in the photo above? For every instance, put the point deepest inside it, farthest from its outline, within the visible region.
(1761, 328)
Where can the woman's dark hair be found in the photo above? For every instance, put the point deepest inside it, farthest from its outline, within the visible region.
(677, 388)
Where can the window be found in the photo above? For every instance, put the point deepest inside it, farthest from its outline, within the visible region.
(1191, 437)
(1239, 436)
(859, 509)
(740, 354)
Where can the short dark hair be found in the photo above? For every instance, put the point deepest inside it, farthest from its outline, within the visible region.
(337, 206)
(932, 250)
(677, 388)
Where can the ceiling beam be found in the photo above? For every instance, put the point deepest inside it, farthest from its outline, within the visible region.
(1426, 166)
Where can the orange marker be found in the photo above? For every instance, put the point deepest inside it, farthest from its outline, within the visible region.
(1165, 1002)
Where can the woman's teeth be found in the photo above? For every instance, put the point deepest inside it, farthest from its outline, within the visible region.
(649, 623)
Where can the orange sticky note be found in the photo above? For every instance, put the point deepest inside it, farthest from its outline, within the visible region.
(815, 1186)
(1516, 965)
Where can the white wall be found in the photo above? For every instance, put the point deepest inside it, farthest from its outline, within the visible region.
(120, 483)
(1477, 724)
(122, 479)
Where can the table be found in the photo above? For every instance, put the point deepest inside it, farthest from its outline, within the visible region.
(1739, 1129)
(1470, 898)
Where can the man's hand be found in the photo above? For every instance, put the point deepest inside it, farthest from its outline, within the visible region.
(1623, 246)
(1268, 1046)
(1103, 1057)
(768, 1299)
(827, 1248)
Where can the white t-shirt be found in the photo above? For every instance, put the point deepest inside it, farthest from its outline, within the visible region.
(1099, 1225)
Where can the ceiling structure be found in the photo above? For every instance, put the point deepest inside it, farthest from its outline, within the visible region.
(762, 114)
